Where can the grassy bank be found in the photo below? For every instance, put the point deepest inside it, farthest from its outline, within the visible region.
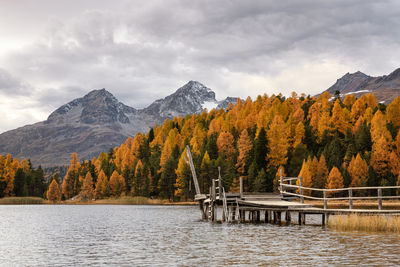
(357, 204)
(390, 224)
(21, 200)
(127, 200)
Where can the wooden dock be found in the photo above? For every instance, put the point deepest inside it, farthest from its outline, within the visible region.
(269, 207)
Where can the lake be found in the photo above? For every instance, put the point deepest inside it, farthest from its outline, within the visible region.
(117, 235)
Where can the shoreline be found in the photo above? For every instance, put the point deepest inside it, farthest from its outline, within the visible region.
(108, 201)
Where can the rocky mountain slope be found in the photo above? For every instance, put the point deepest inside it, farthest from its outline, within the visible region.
(385, 87)
(97, 122)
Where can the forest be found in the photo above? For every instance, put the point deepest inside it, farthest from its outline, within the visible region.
(331, 142)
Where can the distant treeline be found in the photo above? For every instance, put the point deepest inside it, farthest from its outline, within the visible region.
(329, 141)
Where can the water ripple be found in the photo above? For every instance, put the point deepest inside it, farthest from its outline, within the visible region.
(174, 236)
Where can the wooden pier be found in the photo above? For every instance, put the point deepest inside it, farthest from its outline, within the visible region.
(269, 207)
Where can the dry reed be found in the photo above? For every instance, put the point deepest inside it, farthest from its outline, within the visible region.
(378, 223)
(21, 200)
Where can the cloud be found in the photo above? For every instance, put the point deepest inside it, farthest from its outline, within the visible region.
(142, 51)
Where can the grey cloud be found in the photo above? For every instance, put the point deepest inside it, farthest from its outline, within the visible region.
(142, 51)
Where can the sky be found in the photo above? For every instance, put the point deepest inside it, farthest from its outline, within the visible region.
(52, 52)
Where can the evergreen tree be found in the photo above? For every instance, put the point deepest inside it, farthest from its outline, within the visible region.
(260, 150)
(19, 183)
(260, 184)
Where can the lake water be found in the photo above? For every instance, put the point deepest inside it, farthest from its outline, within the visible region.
(109, 235)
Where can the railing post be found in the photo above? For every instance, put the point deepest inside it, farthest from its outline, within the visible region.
(281, 181)
(325, 201)
(219, 182)
(350, 198)
(213, 190)
(241, 186)
(379, 198)
(301, 189)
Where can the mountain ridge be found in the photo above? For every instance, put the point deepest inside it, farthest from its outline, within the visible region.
(97, 122)
(385, 87)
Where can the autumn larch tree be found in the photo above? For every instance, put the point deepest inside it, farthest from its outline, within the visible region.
(244, 146)
(225, 146)
(117, 184)
(183, 176)
(54, 192)
(278, 143)
(102, 189)
(87, 190)
(380, 157)
(335, 180)
(358, 170)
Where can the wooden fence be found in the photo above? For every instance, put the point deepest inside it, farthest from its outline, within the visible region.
(297, 190)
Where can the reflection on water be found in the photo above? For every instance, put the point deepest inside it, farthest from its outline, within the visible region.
(174, 236)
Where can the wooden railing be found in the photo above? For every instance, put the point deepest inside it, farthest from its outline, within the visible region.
(298, 191)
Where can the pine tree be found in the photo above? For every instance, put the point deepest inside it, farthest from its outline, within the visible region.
(54, 192)
(19, 183)
(251, 178)
(260, 150)
(205, 171)
(260, 184)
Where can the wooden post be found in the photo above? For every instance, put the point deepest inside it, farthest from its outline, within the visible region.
(215, 212)
(288, 217)
(302, 218)
(325, 201)
(379, 198)
(350, 198)
(219, 183)
(241, 186)
(281, 182)
(279, 217)
(213, 190)
(301, 189)
(203, 213)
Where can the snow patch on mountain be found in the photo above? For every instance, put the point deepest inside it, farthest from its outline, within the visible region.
(209, 105)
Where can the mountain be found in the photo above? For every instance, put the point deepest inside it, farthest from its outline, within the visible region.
(97, 122)
(385, 87)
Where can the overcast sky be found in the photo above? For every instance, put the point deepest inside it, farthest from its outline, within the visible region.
(54, 51)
